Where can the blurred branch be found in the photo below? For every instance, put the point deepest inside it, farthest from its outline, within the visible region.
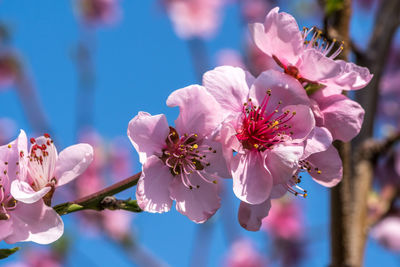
(100, 200)
(386, 23)
(31, 103)
(198, 52)
(337, 24)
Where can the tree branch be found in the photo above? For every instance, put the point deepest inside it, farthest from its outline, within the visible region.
(99, 200)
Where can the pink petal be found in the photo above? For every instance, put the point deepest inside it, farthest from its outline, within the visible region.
(318, 140)
(250, 216)
(282, 162)
(152, 189)
(23, 192)
(302, 123)
(343, 117)
(198, 110)
(397, 160)
(72, 162)
(35, 222)
(278, 191)
(351, 77)
(217, 161)
(148, 133)
(229, 86)
(199, 203)
(252, 182)
(283, 88)
(315, 66)
(330, 165)
(279, 36)
(387, 232)
(5, 229)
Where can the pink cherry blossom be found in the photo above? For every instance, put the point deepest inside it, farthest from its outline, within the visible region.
(254, 10)
(21, 221)
(243, 254)
(194, 18)
(387, 233)
(266, 122)
(306, 55)
(7, 130)
(95, 12)
(38, 258)
(181, 163)
(48, 170)
(285, 220)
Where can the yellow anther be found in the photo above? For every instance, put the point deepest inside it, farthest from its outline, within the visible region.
(319, 172)
(256, 145)
(305, 195)
(294, 112)
(9, 146)
(195, 146)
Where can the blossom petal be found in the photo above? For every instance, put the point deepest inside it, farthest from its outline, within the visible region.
(148, 133)
(199, 203)
(301, 123)
(229, 86)
(279, 36)
(319, 140)
(250, 216)
(72, 162)
(199, 112)
(343, 117)
(252, 183)
(35, 222)
(23, 192)
(152, 189)
(217, 161)
(315, 66)
(5, 228)
(282, 162)
(330, 165)
(352, 77)
(284, 88)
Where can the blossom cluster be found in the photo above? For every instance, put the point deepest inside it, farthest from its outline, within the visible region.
(265, 132)
(28, 182)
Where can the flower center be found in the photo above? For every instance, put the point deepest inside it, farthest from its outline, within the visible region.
(262, 128)
(185, 155)
(41, 163)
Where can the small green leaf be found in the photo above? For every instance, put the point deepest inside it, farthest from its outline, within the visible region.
(4, 253)
(332, 6)
(131, 205)
(311, 88)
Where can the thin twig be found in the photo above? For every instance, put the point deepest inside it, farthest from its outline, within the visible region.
(95, 201)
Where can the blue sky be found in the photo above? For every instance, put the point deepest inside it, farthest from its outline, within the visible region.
(138, 63)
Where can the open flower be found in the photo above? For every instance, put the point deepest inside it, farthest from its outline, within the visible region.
(266, 122)
(180, 163)
(21, 221)
(307, 55)
(48, 170)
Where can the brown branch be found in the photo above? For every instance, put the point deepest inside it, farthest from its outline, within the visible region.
(97, 201)
(386, 23)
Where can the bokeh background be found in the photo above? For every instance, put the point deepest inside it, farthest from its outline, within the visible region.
(91, 78)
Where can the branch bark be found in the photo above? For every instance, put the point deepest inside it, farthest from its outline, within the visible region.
(98, 200)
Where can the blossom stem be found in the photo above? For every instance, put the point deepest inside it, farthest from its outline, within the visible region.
(99, 201)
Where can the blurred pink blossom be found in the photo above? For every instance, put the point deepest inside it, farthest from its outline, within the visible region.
(387, 232)
(117, 223)
(243, 254)
(389, 102)
(230, 57)
(254, 10)
(285, 220)
(97, 12)
(195, 18)
(37, 258)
